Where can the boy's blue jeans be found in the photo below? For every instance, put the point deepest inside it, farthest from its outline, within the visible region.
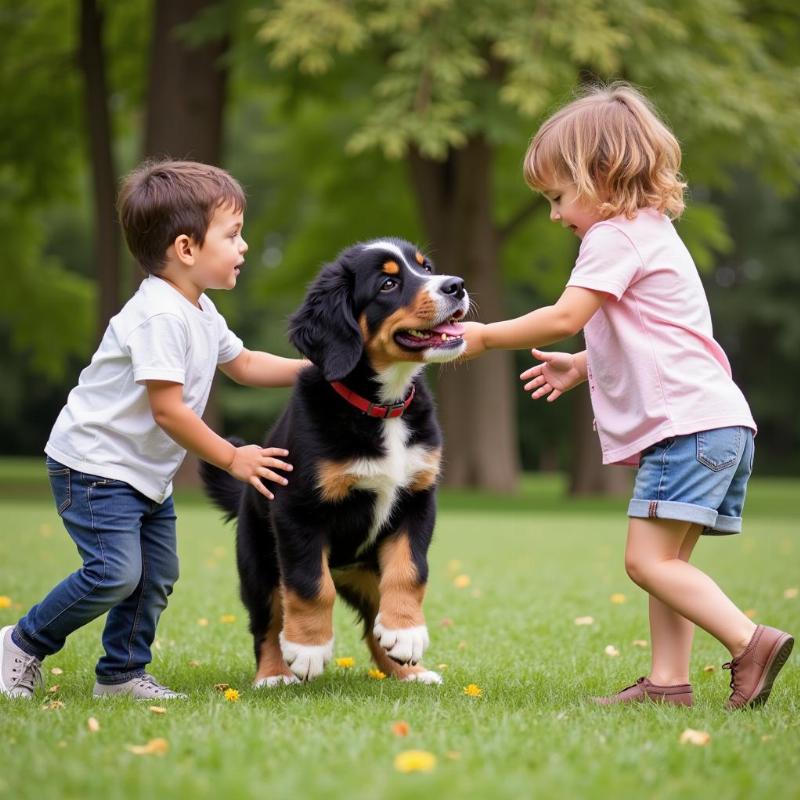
(128, 546)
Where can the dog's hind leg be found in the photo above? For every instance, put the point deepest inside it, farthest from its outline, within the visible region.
(271, 668)
(360, 588)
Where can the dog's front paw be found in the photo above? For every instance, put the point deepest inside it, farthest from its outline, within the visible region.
(423, 676)
(271, 681)
(404, 645)
(307, 661)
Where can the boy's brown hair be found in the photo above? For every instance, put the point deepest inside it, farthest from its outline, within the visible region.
(611, 144)
(162, 199)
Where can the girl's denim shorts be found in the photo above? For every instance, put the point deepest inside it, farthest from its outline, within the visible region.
(701, 478)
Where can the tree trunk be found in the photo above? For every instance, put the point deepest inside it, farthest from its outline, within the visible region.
(106, 230)
(475, 399)
(185, 103)
(587, 474)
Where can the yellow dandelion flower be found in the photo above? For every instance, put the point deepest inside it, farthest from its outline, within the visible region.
(414, 761)
(231, 695)
(228, 618)
(462, 581)
(473, 690)
(618, 598)
(5, 601)
(376, 674)
(346, 662)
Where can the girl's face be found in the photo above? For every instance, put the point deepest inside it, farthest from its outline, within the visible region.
(569, 211)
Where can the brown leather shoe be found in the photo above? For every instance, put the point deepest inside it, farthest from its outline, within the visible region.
(754, 671)
(643, 689)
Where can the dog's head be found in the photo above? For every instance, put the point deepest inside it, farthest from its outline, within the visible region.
(380, 298)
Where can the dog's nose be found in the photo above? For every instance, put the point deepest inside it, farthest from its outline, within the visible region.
(453, 286)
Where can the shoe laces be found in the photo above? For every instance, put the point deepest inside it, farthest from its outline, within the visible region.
(731, 665)
(157, 687)
(30, 672)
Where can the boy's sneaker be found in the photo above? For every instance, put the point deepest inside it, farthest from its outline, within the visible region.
(754, 671)
(20, 673)
(145, 687)
(643, 689)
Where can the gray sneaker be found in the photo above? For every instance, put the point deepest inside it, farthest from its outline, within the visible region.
(20, 673)
(145, 687)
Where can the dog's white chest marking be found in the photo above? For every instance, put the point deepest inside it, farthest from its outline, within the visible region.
(387, 475)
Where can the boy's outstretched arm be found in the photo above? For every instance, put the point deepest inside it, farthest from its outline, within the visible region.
(248, 463)
(545, 325)
(558, 373)
(256, 368)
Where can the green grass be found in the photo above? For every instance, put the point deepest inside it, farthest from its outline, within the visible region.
(535, 563)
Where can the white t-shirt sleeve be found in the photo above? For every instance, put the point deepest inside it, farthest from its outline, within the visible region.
(158, 349)
(230, 345)
(607, 262)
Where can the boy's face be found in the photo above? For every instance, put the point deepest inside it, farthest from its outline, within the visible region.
(220, 259)
(569, 211)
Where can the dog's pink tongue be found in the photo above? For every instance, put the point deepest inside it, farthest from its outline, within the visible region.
(450, 328)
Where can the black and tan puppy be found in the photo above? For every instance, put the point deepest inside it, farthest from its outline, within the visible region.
(358, 513)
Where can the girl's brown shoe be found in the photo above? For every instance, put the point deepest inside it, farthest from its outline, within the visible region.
(643, 690)
(754, 671)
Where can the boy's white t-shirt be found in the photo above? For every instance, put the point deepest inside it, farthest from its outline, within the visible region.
(107, 427)
(655, 369)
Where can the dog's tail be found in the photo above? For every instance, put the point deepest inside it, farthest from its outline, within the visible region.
(221, 486)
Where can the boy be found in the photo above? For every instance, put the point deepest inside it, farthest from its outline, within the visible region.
(126, 427)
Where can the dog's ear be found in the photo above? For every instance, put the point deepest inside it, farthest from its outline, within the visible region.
(324, 328)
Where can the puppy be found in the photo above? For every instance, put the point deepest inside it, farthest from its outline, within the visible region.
(357, 516)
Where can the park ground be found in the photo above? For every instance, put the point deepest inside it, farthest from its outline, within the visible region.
(530, 612)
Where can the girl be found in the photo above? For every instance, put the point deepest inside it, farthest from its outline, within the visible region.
(661, 387)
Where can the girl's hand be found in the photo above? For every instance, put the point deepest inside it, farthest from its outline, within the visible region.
(251, 463)
(558, 373)
(473, 336)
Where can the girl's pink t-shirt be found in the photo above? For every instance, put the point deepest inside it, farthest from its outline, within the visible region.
(655, 370)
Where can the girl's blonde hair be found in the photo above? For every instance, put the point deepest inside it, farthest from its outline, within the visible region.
(613, 146)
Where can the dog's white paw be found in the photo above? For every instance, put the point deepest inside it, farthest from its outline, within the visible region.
(275, 680)
(426, 676)
(307, 661)
(404, 645)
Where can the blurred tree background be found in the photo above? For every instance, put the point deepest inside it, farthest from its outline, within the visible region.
(351, 119)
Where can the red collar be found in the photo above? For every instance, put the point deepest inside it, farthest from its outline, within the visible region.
(373, 409)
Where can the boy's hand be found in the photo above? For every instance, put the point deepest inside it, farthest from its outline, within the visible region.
(558, 373)
(473, 336)
(251, 463)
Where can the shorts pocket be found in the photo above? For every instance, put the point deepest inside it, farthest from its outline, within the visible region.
(720, 448)
(61, 486)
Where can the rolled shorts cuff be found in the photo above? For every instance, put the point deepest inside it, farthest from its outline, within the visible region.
(725, 526)
(119, 677)
(669, 509)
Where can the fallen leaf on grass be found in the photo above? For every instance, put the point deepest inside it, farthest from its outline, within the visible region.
(617, 598)
(473, 690)
(5, 601)
(345, 662)
(709, 668)
(53, 705)
(611, 651)
(699, 738)
(376, 674)
(54, 688)
(401, 728)
(462, 645)
(155, 747)
(442, 666)
(221, 687)
(195, 663)
(639, 643)
(414, 761)
(789, 593)
(232, 695)
(93, 725)
(157, 709)
(56, 671)
(227, 619)
(584, 620)
(202, 622)
(462, 581)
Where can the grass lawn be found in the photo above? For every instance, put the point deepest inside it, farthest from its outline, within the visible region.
(533, 564)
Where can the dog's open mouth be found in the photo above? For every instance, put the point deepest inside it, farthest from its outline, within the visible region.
(444, 335)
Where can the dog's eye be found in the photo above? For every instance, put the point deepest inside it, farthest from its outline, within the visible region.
(428, 268)
(388, 285)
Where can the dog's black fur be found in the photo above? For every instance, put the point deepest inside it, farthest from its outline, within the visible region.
(320, 528)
